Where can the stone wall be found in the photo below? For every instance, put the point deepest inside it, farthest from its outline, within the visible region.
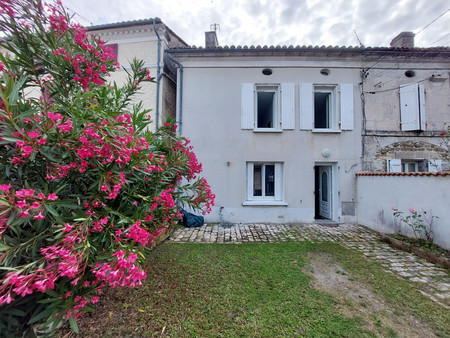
(379, 149)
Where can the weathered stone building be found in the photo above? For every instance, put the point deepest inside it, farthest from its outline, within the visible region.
(406, 106)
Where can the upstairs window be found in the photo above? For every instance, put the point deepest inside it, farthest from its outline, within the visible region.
(268, 107)
(326, 107)
(412, 107)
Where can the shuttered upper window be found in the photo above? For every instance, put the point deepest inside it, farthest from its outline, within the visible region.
(268, 107)
(326, 107)
(412, 107)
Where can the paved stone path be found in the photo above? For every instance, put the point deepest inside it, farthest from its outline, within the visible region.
(434, 281)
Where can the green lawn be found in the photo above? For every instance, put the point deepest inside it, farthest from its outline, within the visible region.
(250, 290)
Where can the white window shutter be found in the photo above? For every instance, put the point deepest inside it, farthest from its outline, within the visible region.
(347, 110)
(394, 166)
(249, 181)
(422, 106)
(434, 165)
(409, 107)
(306, 106)
(247, 106)
(288, 105)
(278, 181)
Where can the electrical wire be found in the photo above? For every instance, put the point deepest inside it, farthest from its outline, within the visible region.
(426, 26)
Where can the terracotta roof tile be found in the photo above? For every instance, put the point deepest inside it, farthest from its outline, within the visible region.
(438, 173)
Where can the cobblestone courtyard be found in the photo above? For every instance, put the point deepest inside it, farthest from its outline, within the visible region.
(434, 281)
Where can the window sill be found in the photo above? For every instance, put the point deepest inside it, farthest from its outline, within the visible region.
(267, 130)
(265, 203)
(327, 131)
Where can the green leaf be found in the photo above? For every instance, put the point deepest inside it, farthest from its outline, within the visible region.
(10, 139)
(16, 312)
(51, 210)
(3, 247)
(52, 293)
(40, 316)
(73, 324)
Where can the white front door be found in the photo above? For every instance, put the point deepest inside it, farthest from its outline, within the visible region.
(325, 191)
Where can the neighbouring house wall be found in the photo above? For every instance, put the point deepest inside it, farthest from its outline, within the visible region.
(212, 121)
(379, 193)
(383, 136)
(141, 42)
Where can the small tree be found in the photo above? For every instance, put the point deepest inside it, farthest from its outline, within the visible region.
(84, 188)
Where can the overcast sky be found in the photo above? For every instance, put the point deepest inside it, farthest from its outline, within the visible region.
(282, 22)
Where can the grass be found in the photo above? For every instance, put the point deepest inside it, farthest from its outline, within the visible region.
(257, 290)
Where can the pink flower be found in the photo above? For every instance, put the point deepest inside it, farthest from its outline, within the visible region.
(25, 193)
(21, 204)
(6, 299)
(5, 187)
(66, 127)
(411, 210)
(52, 196)
(39, 216)
(34, 134)
(394, 208)
(67, 227)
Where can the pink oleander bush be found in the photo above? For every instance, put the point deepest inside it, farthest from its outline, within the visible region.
(84, 187)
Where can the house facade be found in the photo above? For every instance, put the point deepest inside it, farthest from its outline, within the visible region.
(145, 40)
(277, 129)
(282, 131)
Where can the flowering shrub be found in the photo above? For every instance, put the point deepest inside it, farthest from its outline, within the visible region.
(84, 187)
(418, 222)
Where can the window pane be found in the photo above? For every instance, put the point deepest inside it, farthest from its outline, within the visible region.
(270, 179)
(322, 110)
(324, 187)
(257, 180)
(265, 106)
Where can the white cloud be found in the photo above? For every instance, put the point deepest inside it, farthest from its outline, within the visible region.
(283, 22)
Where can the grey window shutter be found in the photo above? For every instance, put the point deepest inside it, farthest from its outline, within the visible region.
(409, 107)
(306, 106)
(247, 106)
(422, 106)
(394, 166)
(288, 106)
(434, 165)
(347, 110)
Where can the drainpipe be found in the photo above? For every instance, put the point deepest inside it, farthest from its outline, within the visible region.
(158, 74)
(364, 74)
(180, 87)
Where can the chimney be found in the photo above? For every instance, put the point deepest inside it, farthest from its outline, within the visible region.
(211, 40)
(403, 40)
